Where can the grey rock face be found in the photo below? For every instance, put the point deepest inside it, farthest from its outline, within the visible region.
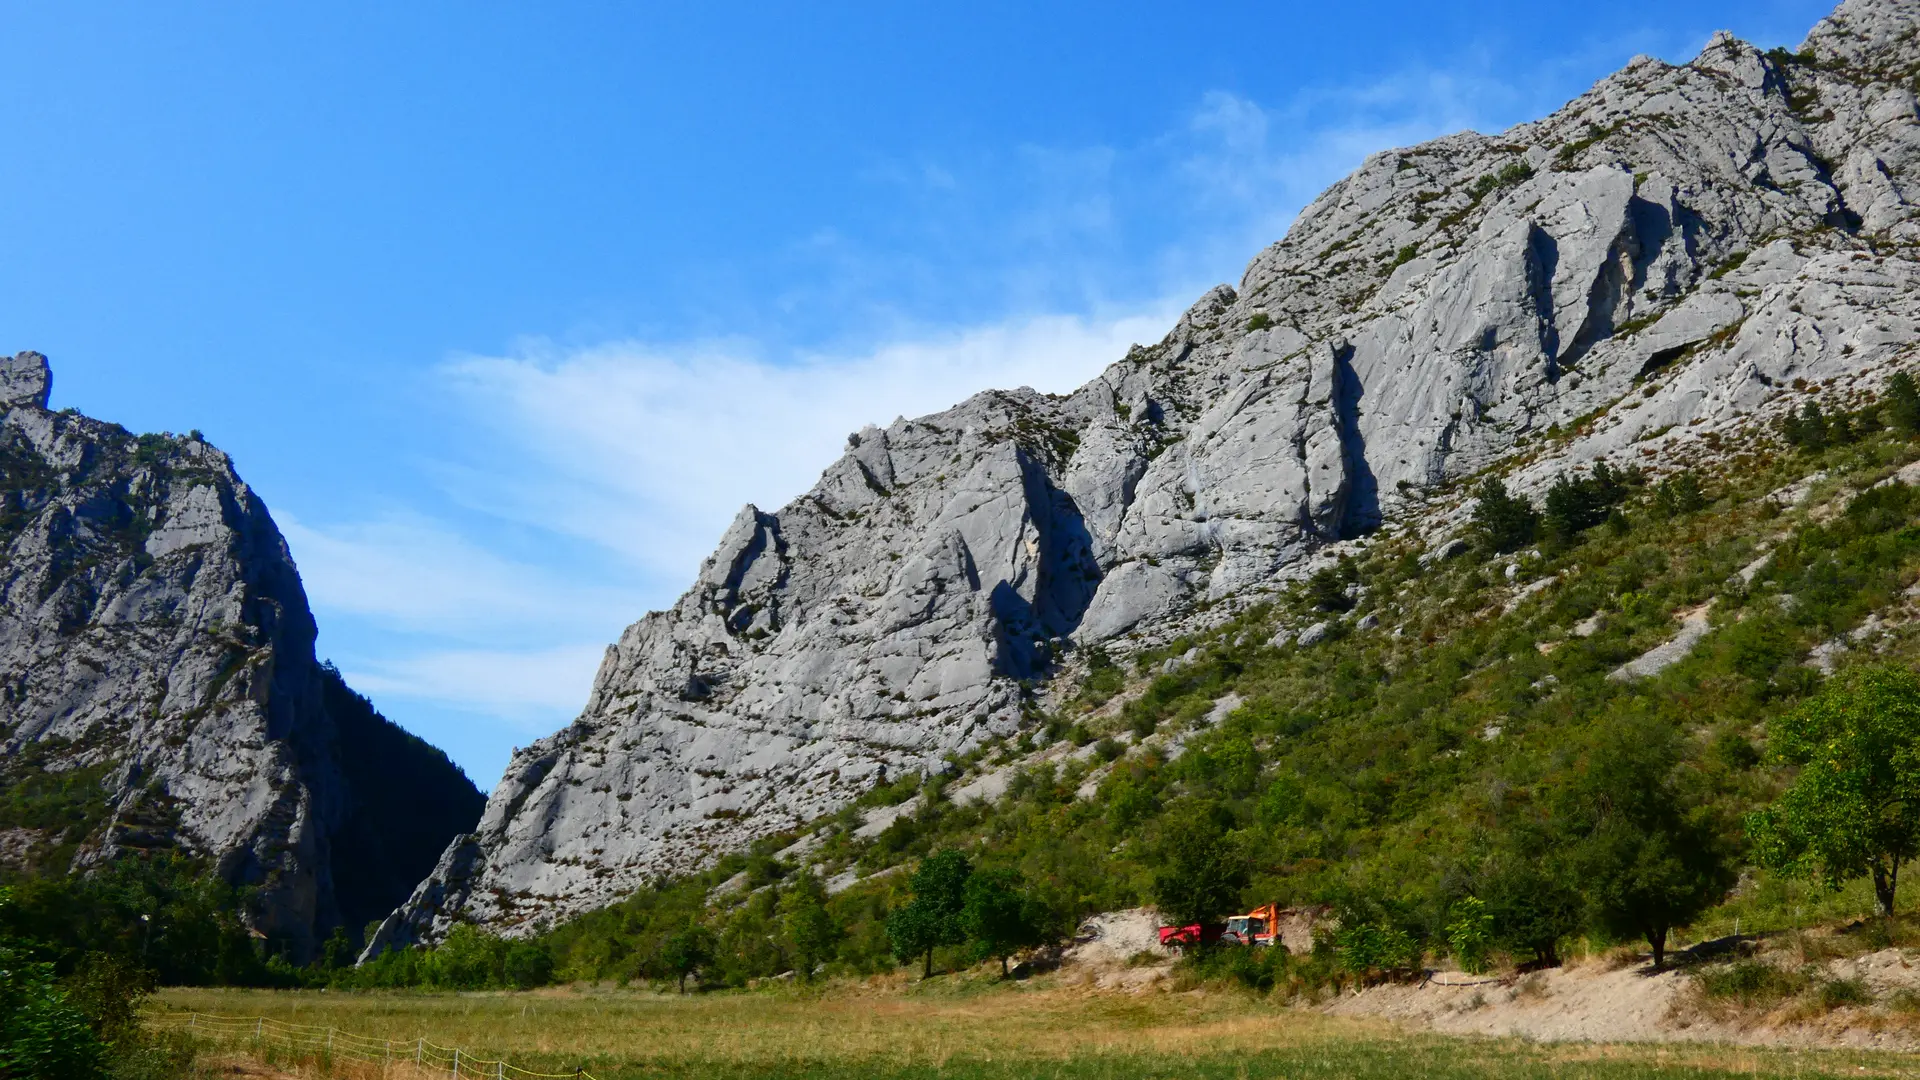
(1657, 261)
(25, 379)
(153, 628)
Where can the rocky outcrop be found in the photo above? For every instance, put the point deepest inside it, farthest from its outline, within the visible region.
(154, 632)
(1679, 249)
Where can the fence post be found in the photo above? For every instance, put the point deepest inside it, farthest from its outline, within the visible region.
(420, 1050)
(329, 1042)
(500, 1070)
(193, 1020)
(259, 1026)
(456, 1061)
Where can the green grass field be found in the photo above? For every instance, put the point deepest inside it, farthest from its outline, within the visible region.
(964, 1033)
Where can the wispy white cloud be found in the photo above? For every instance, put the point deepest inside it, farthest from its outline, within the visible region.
(649, 450)
(529, 689)
(1254, 166)
(408, 572)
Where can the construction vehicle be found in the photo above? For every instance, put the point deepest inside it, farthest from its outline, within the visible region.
(1261, 926)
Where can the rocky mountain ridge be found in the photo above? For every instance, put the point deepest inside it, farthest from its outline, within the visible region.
(156, 644)
(1633, 278)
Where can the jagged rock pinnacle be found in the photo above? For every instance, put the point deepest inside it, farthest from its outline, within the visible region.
(25, 379)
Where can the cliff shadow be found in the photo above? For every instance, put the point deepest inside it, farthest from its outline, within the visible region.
(1360, 512)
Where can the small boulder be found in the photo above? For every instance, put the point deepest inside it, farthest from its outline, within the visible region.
(1446, 549)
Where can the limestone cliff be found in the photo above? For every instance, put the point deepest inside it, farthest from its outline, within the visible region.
(1629, 277)
(154, 634)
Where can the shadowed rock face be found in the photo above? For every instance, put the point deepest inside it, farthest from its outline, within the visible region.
(153, 626)
(1647, 266)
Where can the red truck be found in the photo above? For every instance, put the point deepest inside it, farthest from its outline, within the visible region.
(1179, 937)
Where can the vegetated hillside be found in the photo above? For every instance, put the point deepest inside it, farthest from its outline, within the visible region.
(159, 692)
(1630, 279)
(1465, 732)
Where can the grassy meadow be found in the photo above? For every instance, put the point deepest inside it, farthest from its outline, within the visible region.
(963, 1032)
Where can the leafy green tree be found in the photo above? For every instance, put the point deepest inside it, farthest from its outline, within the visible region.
(1202, 871)
(171, 913)
(339, 950)
(108, 991)
(1902, 398)
(810, 930)
(1532, 904)
(42, 1033)
(997, 915)
(1503, 522)
(932, 918)
(468, 959)
(1470, 934)
(1644, 859)
(913, 932)
(686, 951)
(527, 964)
(1854, 808)
(1367, 948)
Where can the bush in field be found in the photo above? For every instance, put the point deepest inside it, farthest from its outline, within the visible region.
(1532, 904)
(1371, 949)
(1470, 935)
(1750, 983)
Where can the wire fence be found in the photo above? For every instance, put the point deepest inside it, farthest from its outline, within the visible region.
(264, 1033)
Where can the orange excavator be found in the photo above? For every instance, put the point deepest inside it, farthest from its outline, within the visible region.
(1261, 926)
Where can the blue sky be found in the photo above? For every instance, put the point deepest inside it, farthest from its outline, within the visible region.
(506, 308)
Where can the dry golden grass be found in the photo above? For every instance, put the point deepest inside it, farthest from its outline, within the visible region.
(962, 1033)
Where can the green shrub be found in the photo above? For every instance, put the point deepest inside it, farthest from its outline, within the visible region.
(1839, 993)
(1256, 967)
(1470, 935)
(1750, 983)
(1503, 522)
(42, 1034)
(1370, 949)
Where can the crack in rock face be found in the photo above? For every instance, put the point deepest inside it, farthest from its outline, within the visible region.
(1628, 279)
